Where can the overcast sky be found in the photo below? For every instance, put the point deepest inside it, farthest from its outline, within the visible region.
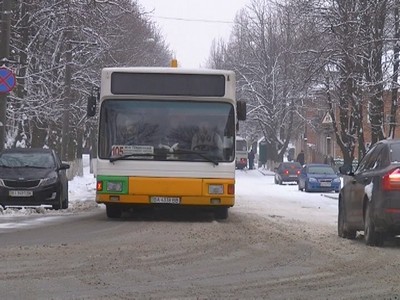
(190, 26)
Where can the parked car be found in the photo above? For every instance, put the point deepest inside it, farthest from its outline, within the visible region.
(370, 198)
(33, 177)
(287, 172)
(319, 177)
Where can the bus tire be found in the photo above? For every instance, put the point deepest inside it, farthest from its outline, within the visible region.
(221, 213)
(113, 211)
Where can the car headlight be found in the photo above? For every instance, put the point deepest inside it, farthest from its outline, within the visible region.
(336, 180)
(312, 179)
(49, 180)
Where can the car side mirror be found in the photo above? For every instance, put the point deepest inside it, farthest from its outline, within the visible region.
(241, 110)
(64, 166)
(91, 106)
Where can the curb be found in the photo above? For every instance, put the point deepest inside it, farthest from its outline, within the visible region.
(265, 173)
(331, 197)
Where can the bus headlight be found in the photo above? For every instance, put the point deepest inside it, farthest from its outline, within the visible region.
(216, 189)
(114, 186)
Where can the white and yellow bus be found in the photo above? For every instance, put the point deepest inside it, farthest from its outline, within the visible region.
(166, 136)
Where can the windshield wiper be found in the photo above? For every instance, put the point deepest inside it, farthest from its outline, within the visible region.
(201, 154)
(177, 151)
(112, 159)
(35, 167)
(24, 166)
(4, 166)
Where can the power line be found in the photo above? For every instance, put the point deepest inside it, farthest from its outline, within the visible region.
(193, 20)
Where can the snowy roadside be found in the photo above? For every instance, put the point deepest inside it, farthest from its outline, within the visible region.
(266, 172)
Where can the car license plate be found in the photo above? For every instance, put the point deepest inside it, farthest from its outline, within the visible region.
(20, 193)
(167, 200)
(325, 184)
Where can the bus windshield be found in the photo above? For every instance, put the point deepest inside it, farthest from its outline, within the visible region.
(241, 145)
(166, 130)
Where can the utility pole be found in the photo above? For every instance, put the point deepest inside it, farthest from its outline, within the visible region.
(67, 94)
(4, 54)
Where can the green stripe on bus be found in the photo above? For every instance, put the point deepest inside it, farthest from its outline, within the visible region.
(113, 180)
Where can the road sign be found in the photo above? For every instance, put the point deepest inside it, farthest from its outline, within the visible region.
(7, 80)
(327, 119)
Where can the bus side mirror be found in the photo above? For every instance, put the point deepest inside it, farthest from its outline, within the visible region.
(241, 110)
(91, 106)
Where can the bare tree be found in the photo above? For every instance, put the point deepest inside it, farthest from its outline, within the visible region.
(60, 47)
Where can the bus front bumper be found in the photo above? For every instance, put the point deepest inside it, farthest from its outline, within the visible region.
(151, 190)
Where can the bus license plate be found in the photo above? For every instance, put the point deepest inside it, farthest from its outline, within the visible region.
(166, 200)
(20, 193)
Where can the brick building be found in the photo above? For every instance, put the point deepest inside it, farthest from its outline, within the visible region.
(318, 138)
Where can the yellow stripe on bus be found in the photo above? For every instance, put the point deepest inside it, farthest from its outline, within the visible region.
(191, 191)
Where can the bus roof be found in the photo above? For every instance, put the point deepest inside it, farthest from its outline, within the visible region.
(167, 70)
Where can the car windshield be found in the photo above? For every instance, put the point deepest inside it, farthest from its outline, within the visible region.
(321, 170)
(395, 153)
(19, 159)
(291, 166)
(241, 145)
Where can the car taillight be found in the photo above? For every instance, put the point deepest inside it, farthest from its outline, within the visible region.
(286, 172)
(391, 180)
(298, 172)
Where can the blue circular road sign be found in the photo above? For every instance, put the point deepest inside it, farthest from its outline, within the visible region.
(7, 80)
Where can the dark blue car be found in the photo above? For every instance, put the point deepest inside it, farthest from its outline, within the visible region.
(33, 177)
(319, 178)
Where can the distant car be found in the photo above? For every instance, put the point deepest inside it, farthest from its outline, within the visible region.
(287, 172)
(241, 153)
(319, 178)
(370, 198)
(33, 177)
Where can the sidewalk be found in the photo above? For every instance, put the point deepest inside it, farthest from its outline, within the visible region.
(266, 172)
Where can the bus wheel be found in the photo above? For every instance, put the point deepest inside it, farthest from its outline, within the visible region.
(221, 213)
(113, 211)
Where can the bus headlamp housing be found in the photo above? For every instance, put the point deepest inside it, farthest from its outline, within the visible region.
(216, 189)
(114, 186)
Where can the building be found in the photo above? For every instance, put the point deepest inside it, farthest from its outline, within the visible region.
(318, 139)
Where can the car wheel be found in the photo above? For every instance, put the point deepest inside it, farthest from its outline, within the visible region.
(113, 211)
(65, 203)
(306, 189)
(275, 180)
(372, 237)
(221, 213)
(299, 186)
(59, 202)
(342, 223)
